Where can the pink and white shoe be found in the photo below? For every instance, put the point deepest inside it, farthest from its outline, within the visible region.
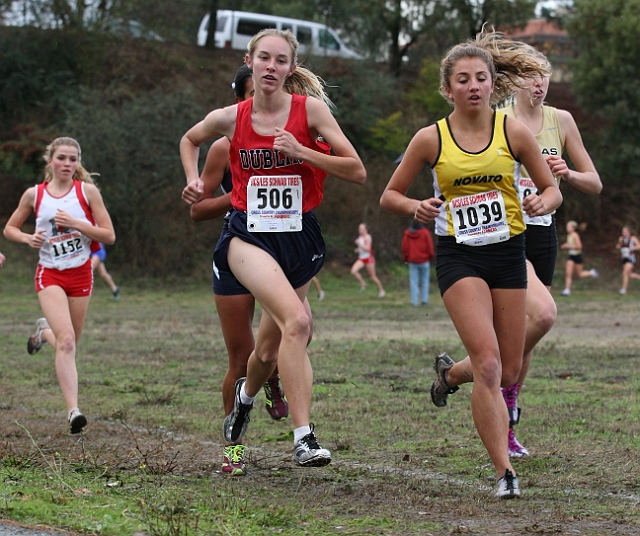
(516, 450)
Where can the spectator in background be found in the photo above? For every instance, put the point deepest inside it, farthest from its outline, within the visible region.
(417, 251)
(2, 259)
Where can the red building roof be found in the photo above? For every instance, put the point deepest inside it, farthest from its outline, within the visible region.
(536, 27)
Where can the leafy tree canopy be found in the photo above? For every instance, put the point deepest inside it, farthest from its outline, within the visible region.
(382, 29)
(605, 34)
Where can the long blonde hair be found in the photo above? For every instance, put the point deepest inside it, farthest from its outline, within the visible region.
(508, 61)
(301, 81)
(81, 174)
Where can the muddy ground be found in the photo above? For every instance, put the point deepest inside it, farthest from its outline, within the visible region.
(380, 485)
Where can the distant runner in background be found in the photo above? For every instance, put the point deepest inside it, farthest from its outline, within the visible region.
(574, 263)
(316, 283)
(627, 244)
(364, 249)
(97, 263)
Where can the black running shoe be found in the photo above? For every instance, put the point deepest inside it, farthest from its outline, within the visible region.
(235, 424)
(77, 421)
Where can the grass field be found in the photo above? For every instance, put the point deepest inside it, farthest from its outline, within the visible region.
(151, 367)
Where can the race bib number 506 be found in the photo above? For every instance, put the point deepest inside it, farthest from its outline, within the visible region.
(479, 219)
(274, 203)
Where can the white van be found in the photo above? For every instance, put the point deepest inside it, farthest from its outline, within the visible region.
(234, 29)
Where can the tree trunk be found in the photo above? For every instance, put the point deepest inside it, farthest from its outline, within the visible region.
(211, 35)
(394, 26)
(395, 54)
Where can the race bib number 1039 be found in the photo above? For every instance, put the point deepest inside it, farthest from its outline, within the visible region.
(479, 219)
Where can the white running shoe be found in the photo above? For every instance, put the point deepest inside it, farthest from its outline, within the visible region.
(594, 273)
(309, 453)
(565, 292)
(508, 487)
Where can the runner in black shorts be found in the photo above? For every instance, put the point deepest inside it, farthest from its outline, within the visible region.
(480, 258)
(556, 132)
(541, 246)
(574, 260)
(627, 244)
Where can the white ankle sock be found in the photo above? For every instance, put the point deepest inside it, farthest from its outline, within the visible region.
(244, 397)
(299, 433)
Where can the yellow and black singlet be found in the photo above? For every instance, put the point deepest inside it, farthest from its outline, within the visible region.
(479, 190)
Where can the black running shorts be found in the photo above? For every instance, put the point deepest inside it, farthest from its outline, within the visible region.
(501, 265)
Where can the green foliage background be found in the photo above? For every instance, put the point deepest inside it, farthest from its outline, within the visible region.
(606, 78)
(129, 101)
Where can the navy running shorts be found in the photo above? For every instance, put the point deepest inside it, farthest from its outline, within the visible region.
(224, 282)
(501, 265)
(300, 254)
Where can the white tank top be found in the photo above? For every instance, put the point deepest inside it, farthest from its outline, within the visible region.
(63, 248)
(363, 253)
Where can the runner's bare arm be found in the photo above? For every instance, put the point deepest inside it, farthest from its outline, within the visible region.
(344, 164)
(220, 122)
(421, 152)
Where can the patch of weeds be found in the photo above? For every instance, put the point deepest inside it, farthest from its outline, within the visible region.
(167, 513)
(156, 398)
(158, 459)
(283, 436)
